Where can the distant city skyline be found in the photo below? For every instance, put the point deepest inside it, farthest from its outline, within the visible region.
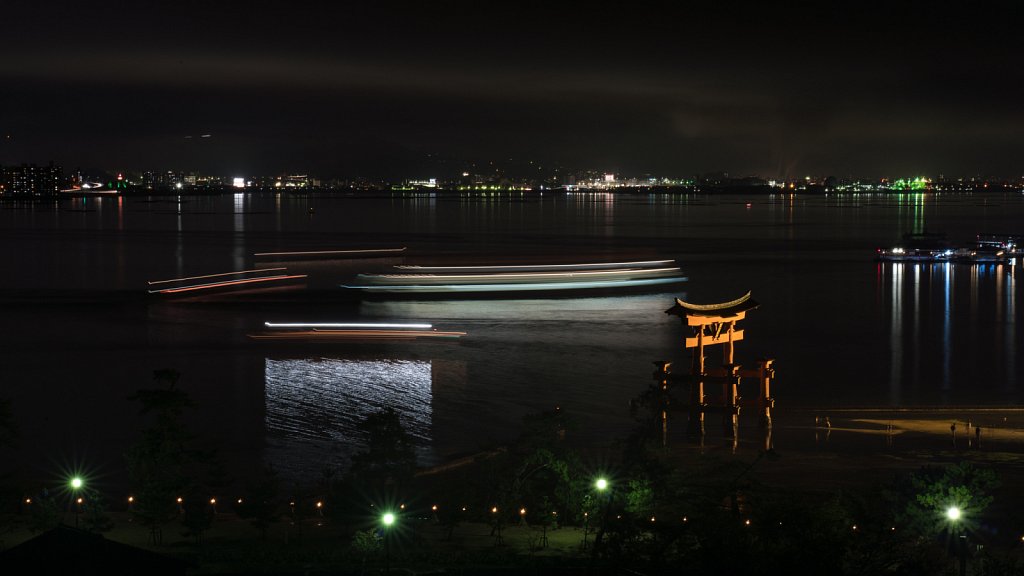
(389, 91)
(47, 181)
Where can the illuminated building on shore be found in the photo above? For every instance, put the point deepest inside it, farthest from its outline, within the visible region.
(29, 180)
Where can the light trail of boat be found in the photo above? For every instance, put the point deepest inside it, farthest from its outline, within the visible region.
(512, 275)
(326, 252)
(640, 264)
(344, 325)
(357, 335)
(151, 282)
(225, 283)
(524, 287)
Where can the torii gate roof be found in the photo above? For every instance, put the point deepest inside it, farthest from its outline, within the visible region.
(735, 307)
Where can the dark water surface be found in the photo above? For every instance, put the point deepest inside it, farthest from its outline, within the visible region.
(78, 337)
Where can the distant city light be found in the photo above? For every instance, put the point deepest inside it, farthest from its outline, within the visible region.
(238, 182)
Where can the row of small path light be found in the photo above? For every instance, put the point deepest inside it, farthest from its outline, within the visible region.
(954, 514)
(387, 518)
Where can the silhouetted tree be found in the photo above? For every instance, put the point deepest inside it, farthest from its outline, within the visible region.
(44, 512)
(390, 456)
(94, 513)
(157, 461)
(197, 514)
(261, 503)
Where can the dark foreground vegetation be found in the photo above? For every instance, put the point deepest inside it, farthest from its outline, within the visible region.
(535, 505)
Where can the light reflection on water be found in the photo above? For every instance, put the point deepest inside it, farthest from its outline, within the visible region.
(959, 336)
(845, 331)
(314, 407)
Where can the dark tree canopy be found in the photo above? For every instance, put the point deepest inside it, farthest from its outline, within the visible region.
(390, 455)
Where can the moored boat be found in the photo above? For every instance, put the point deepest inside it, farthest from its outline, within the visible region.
(931, 247)
(918, 247)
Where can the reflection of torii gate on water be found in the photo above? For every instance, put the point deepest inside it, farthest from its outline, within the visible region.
(714, 324)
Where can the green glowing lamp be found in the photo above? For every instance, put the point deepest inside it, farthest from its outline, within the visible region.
(601, 484)
(388, 519)
(76, 482)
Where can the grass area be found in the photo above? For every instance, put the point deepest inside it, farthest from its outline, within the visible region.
(232, 545)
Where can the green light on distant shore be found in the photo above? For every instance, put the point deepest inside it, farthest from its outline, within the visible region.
(917, 184)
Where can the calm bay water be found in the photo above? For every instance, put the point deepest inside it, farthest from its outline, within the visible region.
(78, 338)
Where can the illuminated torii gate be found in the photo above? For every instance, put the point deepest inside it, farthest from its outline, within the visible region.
(715, 324)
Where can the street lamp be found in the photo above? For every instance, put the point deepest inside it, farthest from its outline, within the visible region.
(388, 520)
(954, 514)
(496, 529)
(76, 483)
(602, 485)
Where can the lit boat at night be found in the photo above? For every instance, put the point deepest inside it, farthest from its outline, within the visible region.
(928, 248)
(351, 332)
(224, 281)
(520, 278)
(919, 247)
(993, 248)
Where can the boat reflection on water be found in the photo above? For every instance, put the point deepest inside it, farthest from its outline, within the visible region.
(314, 407)
(952, 327)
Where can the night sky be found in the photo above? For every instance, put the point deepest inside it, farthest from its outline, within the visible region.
(396, 91)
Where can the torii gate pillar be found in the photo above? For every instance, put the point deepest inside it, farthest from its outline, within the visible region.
(715, 324)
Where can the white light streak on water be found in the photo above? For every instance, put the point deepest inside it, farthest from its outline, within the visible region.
(896, 337)
(346, 325)
(1011, 329)
(916, 338)
(947, 323)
